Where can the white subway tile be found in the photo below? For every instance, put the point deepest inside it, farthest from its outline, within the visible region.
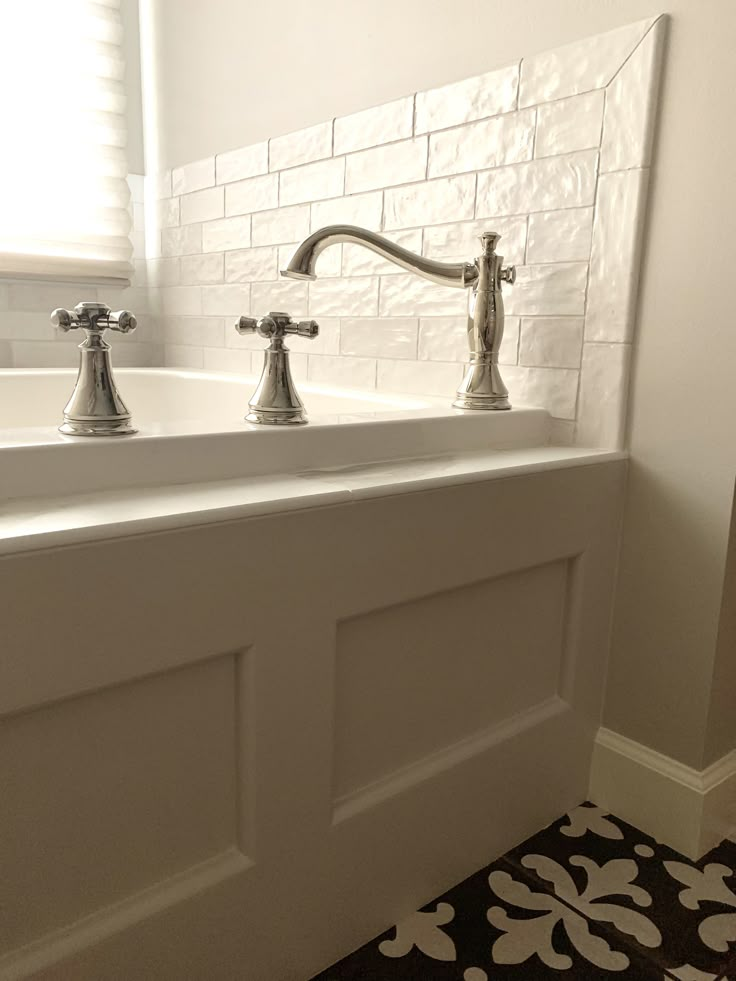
(246, 161)
(371, 127)
(30, 326)
(382, 166)
(554, 389)
(186, 240)
(570, 124)
(551, 342)
(253, 194)
(329, 262)
(234, 363)
(40, 354)
(226, 233)
(446, 339)
(472, 98)
(419, 378)
(539, 185)
(560, 236)
(580, 66)
(549, 290)
(281, 226)
(206, 268)
(410, 296)
(181, 300)
(490, 143)
(199, 331)
(287, 295)
(251, 265)
(604, 383)
(326, 342)
(3, 296)
(304, 146)
(384, 338)
(356, 297)
(45, 297)
(460, 241)
(168, 212)
(359, 261)
(230, 300)
(182, 356)
(312, 182)
(631, 102)
(615, 256)
(358, 209)
(431, 202)
(193, 176)
(343, 372)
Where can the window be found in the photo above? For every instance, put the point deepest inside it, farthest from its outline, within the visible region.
(63, 190)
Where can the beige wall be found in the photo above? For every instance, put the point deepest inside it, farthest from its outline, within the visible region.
(231, 73)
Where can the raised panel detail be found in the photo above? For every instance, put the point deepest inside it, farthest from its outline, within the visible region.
(114, 791)
(416, 678)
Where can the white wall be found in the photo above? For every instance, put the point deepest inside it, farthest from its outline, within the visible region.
(230, 74)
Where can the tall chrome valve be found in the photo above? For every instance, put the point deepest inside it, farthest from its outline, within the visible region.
(275, 401)
(96, 407)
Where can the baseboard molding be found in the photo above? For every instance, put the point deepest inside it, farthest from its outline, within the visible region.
(690, 810)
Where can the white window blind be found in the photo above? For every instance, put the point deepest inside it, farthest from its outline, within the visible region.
(64, 196)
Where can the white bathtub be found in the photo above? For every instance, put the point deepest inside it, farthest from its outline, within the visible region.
(214, 634)
(191, 429)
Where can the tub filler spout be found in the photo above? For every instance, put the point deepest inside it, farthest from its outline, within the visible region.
(482, 387)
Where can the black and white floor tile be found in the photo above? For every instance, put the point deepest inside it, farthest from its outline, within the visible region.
(590, 897)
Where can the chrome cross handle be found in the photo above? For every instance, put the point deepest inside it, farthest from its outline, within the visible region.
(275, 401)
(95, 316)
(277, 325)
(95, 407)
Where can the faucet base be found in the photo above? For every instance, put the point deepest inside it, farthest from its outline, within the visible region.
(99, 427)
(482, 387)
(281, 417)
(497, 403)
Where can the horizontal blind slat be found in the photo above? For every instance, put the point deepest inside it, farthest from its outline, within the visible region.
(64, 196)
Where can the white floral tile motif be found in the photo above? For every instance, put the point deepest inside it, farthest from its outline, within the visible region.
(588, 898)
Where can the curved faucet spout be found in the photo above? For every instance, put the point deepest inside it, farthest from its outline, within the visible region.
(463, 275)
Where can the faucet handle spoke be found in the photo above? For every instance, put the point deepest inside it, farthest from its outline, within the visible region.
(64, 319)
(246, 325)
(508, 275)
(122, 320)
(305, 328)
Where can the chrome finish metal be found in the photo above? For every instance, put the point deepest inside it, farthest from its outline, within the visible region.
(301, 265)
(95, 407)
(275, 401)
(482, 387)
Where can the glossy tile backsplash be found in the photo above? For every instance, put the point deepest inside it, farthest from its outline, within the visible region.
(553, 153)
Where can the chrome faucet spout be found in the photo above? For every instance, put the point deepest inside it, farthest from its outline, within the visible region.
(482, 387)
(301, 265)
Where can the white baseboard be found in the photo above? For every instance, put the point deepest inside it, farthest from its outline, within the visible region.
(690, 810)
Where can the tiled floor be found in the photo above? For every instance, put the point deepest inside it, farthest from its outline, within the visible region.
(590, 897)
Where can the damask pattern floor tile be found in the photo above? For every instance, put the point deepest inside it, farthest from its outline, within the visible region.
(677, 913)
(493, 927)
(589, 897)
